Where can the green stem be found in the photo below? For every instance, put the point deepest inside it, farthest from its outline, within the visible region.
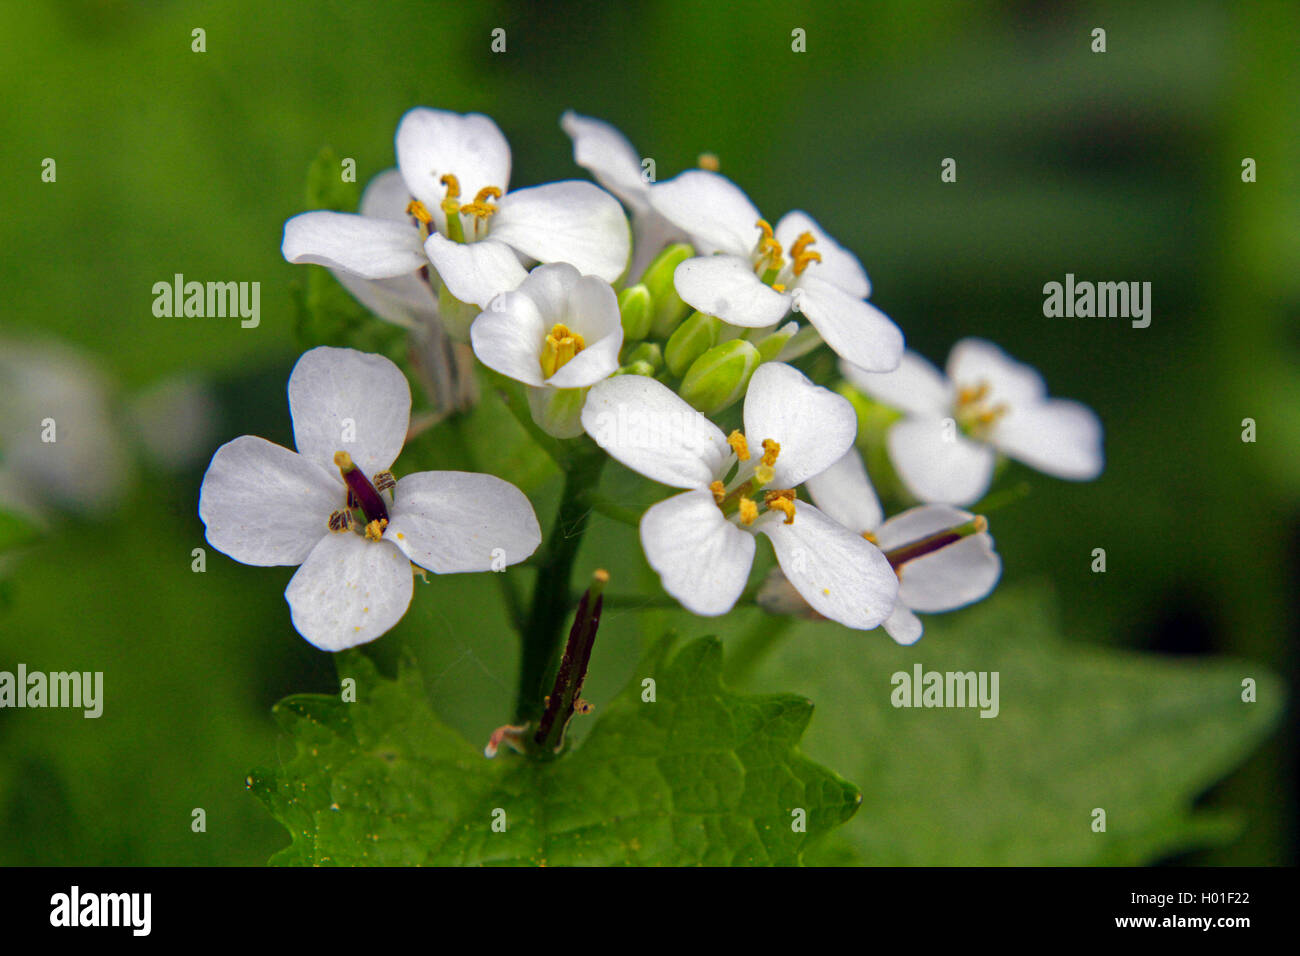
(543, 633)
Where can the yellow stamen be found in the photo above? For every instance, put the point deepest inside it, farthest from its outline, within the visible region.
(767, 255)
(375, 530)
(805, 240)
(782, 500)
(763, 474)
(480, 207)
(452, 184)
(870, 537)
(801, 262)
(771, 450)
(709, 161)
(739, 445)
(778, 287)
(719, 491)
(560, 347)
(343, 460)
(419, 211)
(748, 511)
(968, 396)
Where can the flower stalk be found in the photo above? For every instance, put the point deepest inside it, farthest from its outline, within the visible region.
(565, 698)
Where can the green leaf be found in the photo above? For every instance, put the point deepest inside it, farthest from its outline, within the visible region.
(16, 530)
(698, 776)
(1078, 728)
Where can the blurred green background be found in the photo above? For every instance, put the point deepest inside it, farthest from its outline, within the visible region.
(1117, 166)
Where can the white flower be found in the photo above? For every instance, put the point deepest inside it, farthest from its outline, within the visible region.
(944, 575)
(945, 449)
(265, 505)
(750, 275)
(558, 333)
(606, 153)
(701, 542)
(457, 169)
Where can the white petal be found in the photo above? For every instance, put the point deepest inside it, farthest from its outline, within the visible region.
(711, 209)
(370, 248)
(813, 425)
(569, 221)
(455, 521)
(593, 314)
(345, 400)
(838, 266)
(843, 492)
(508, 337)
(857, 331)
(349, 591)
(975, 362)
(951, 577)
(903, 626)
(649, 428)
(651, 234)
(915, 387)
(475, 272)
(1058, 437)
(433, 143)
(403, 300)
(726, 286)
(702, 558)
(266, 505)
(607, 154)
(938, 463)
(386, 197)
(841, 574)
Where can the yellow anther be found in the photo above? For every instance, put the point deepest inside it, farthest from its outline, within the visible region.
(560, 347)
(344, 461)
(870, 537)
(719, 491)
(981, 523)
(988, 416)
(771, 450)
(709, 161)
(805, 240)
(801, 262)
(739, 445)
(768, 234)
(419, 211)
(763, 474)
(452, 184)
(782, 500)
(480, 207)
(748, 511)
(375, 530)
(778, 287)
(968, 396)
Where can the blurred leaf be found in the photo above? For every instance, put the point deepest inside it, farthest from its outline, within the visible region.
(1079, 728)
(700, 775)
(16, 530)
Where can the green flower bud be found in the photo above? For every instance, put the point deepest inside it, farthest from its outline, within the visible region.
(719, 377)
(636, 307)
(649, 353)
(669, 309)
(769, 346)
(637, 368)
(692, 339)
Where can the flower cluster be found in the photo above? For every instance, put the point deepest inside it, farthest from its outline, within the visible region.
(660, 322)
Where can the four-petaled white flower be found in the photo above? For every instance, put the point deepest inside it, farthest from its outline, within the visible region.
(946, 447)
(751, 275)
(265, 505)
(606, 153)
(558, 333)
(701, 542)
(461, 218)
(944, 556)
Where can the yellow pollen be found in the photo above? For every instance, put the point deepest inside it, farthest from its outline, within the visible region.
(805, 240)
(870, 537)
(480, 207)
(763, 474)
(452, 184)
(375, 530)
(768, 234)
(778, 287)
(768, 252)
(968, 396)
(748, 511)
(801, 262)
(560, 347)
(343, 460)
(417, 209)
(709, 161)
(782, 500)
(738, 444)
(981, 523)
(719, 491)
(771, 450)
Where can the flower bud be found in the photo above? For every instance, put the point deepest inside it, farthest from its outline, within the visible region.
(636, 307)
(648, 352)
(770, 346)
(692, 339)
(719, 377)
(669, 309)
(637, 368)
